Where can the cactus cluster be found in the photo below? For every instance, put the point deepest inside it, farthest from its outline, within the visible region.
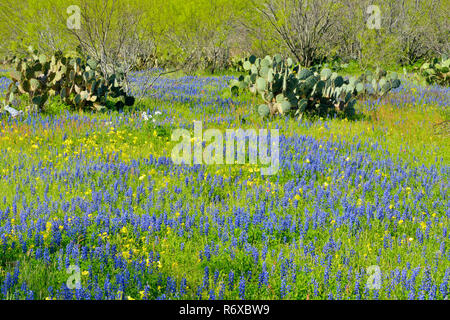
(78, 82)
(378, 83)
(335, 64)
(288, 89)
(436, 71)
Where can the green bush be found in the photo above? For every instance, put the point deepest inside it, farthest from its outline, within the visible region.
(55, 105)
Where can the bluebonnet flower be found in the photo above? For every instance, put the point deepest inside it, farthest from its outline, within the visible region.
(242, 287)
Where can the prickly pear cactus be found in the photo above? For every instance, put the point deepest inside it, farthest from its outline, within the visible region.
(378, 83)
(79, 83)
(288, 90)
(436, 71)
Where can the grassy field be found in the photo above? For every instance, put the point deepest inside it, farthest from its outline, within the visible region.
(99, 193)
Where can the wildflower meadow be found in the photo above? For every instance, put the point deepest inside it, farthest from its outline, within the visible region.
(100, 192)
(94, 206)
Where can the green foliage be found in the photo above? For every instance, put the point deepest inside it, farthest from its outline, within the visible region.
(436, 71)
(334, 64)
(55, 106)
(379, 49)
(152, 126)
(172, 31)
(80, 84)
(40, 23)
(144, 62)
